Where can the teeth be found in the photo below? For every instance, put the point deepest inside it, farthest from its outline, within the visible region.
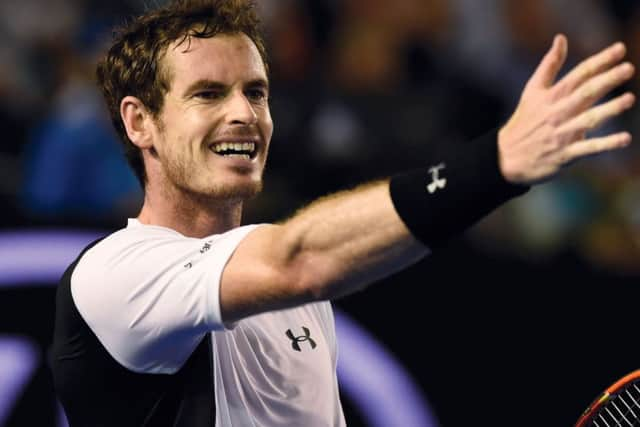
(235, 146)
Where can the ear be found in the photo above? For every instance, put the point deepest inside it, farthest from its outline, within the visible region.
(137, 121)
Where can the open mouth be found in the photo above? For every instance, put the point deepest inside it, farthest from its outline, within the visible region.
(241, 150)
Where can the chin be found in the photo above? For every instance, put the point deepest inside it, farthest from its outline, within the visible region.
(239, 191)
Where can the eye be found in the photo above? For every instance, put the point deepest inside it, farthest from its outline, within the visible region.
(257, 94)
(209, 94)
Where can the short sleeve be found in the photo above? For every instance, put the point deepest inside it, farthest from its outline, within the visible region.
(150, 294)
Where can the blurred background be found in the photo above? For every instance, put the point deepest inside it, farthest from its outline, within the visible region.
(520, 321)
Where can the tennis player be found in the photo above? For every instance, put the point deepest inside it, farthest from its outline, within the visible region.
(185, 317)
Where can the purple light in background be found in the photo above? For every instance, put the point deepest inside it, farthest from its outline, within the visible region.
(18, 360)
(62, 418)
(379, 386)
(30, 257)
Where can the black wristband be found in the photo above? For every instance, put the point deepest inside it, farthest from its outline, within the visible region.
(453, 192)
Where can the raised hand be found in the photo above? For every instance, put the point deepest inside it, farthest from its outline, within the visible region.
(548, 129)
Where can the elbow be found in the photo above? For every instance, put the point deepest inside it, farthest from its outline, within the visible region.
(311, 280)
(308, 274)
(317, 290)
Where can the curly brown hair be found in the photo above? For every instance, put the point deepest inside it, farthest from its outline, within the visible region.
(133, 65)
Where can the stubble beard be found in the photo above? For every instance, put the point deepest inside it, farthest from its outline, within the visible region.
(181, 176)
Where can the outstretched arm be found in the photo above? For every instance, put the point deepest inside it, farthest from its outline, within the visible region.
(344, 242)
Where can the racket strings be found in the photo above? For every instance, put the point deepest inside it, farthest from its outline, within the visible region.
(622, 410)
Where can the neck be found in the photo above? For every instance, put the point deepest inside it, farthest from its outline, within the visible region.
(190, 214)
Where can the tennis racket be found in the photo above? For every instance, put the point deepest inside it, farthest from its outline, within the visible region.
(618, 405)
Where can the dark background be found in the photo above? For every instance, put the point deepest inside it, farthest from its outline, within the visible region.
(521, 321)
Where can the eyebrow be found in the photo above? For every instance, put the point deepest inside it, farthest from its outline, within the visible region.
(212, 84)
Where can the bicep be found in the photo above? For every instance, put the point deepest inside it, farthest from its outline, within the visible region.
(262, 274)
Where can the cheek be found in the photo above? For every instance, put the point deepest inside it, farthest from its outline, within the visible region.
(183, 133)
(266, 125)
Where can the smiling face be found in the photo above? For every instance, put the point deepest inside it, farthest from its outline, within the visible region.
(212, 136)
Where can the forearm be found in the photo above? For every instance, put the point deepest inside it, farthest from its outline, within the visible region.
(351, 239)
(343, 242)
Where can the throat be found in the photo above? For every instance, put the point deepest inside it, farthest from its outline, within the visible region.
(190, 214)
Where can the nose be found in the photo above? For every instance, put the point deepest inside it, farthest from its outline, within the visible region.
(240, 110)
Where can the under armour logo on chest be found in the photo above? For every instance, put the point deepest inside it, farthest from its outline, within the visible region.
(436, 181)
(295, 341)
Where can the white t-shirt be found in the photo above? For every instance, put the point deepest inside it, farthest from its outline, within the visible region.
(150, 294)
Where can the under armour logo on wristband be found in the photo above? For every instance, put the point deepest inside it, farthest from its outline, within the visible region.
(296, 340)
(436, 182)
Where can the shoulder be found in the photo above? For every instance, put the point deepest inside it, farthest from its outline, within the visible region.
(145, 288)
(137, 251)
(144, 260)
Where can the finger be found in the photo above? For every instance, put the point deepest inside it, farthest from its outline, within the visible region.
(590, 67)
(596, 116)
(550, 66)
(593, 90)
(592, 146)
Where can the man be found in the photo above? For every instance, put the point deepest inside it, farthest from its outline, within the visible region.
(188, 91)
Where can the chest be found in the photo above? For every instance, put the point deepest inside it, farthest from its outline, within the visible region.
(294, 346)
